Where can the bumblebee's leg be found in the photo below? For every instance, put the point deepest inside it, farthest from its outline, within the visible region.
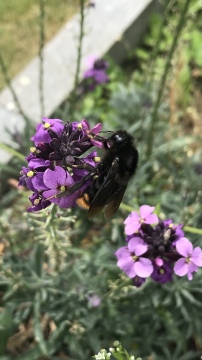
(99, 138)
(77, 186)
(85, 166)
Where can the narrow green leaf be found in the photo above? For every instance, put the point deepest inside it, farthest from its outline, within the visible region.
(13, 152)
(39, 336)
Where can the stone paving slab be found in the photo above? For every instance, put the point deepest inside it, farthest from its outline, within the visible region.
(109, 27)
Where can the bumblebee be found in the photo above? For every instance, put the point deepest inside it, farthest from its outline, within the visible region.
(110, 177)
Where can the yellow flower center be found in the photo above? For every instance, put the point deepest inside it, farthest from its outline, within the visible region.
(62, 188)
(135, 258)
(46, 125)
(188, 260)
(79, 126)
(30, 173)
(32, 149)
(37, 201)
(97, 159)
(161, 271)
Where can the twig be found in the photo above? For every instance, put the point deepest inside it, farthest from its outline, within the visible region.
(41, 53)
(154, 116)
(10, 86)
(79, 54)
(155, 50)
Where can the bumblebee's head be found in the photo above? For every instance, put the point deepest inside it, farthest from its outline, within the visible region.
(120, 138)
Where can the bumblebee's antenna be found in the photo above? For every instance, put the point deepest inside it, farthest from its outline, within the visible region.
(107, 132)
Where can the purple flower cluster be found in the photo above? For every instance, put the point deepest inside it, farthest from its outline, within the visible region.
(157, 251)
(96, 72)
(58, 147)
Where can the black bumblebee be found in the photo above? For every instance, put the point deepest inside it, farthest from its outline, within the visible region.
(110, 177)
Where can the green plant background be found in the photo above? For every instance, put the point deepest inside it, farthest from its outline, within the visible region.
(54, 262)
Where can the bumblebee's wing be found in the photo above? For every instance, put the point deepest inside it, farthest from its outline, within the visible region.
(114, 202)
(109, 196)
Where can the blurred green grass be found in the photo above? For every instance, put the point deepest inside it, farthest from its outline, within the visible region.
(19, 29)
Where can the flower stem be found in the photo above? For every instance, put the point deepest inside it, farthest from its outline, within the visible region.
(192, 230)
(154, 115)
(10, 86)
(41, 53)
(79, 55)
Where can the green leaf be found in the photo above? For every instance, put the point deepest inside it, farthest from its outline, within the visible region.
(39, 336)
(5, 328)
(13, 152)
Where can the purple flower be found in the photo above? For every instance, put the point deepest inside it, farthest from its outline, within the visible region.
(134, 221)
(91, 159)
(138, 281)
(198, 168)
(162, 272)
(91, 4)
(32, 176)
(85, 126)
(94, 300)
(58, 181)
(76, 139)
(130, 261)
(191, 260)
(42, 134)
(96, 72)
(178, 228)
(38, 202)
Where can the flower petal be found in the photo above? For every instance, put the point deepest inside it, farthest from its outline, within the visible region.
(146, 210)
(143, 267)
(127, 265)
(196, 256)
(189, 275)
(158, 261)
(132, 217)
(49, 179)
(184, 247)
(181, 267)
(60, 175)
(137, 246)
(132, 223)
(67, 201)
(50, 195)
(151, 219)
(122, 252)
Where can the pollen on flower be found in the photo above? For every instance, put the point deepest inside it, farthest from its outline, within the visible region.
(167, 234)
(187, 260)
(30, 173)
(32, 149)
(79, 126)
(162, 271)
(37, 201)
(46, 125)
(62, 188)
(97, 159)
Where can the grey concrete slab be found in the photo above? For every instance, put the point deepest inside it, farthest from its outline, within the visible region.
(11, 121)
(108, 26)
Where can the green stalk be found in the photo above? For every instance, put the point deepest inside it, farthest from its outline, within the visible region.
(41, 53)
(79, 55)
(192, 230)
(10, 86)
(154, 115)
(155, 50)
